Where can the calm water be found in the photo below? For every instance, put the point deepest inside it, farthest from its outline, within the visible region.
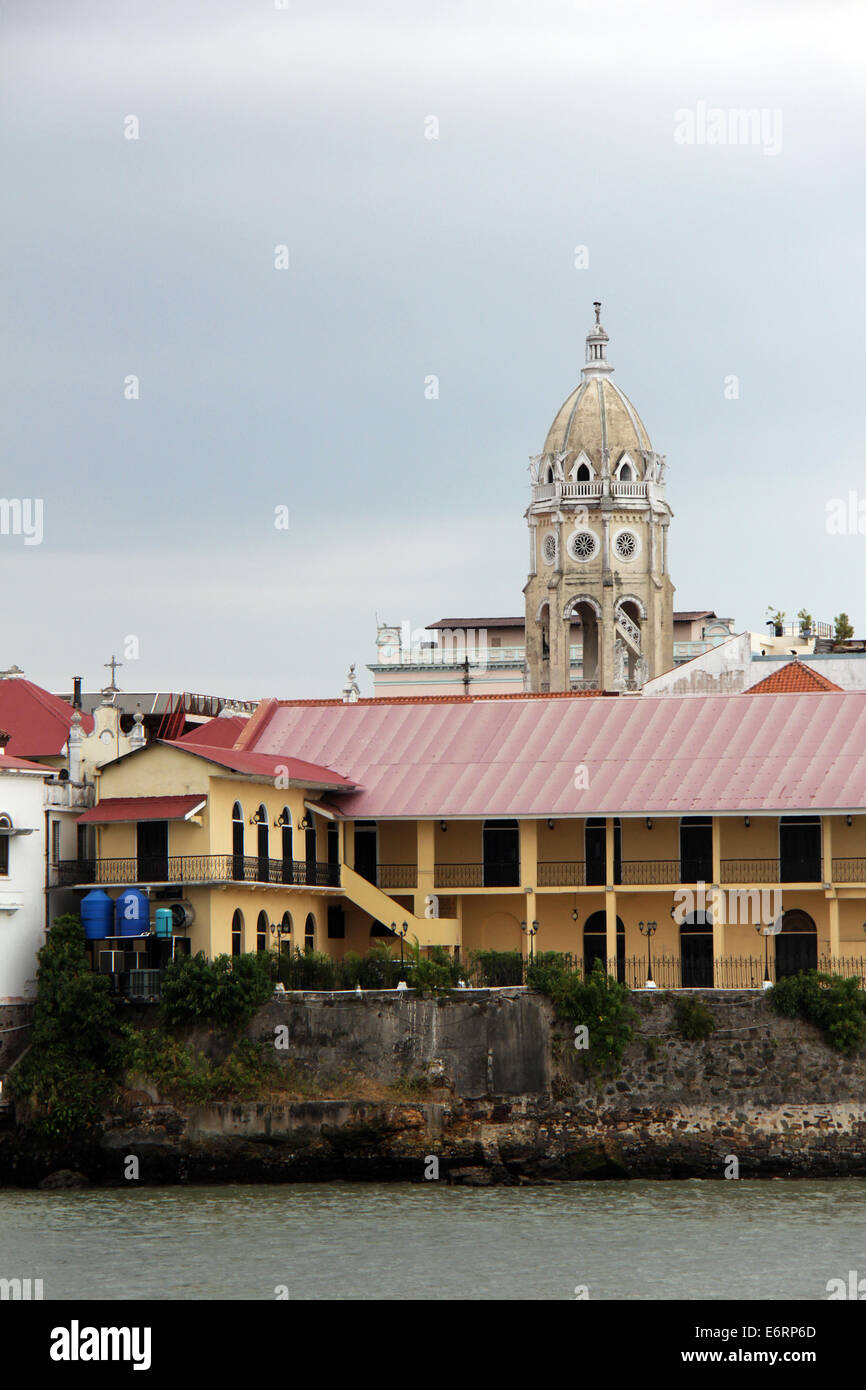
(624, 1240)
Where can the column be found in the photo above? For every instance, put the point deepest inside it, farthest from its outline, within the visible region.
(610, 897)
(426, 845)
(718, 916)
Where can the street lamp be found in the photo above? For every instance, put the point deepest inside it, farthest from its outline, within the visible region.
(648, 929)
(772, 930)
(531, 932)
(401, 932)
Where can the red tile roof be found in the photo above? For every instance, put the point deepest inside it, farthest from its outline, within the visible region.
(37, 720)
(793, 676)
(122, 808)
(521, 756)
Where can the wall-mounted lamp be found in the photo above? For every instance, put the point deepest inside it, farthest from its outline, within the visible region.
(574, 910)
(550, 824)
(849, 820)
(443, 825)
(747, 821)
(305, 824)
(649, 822)
(282, 819)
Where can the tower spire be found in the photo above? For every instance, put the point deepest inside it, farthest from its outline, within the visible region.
(596, 347)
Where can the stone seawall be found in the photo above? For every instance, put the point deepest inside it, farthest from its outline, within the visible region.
(489, 1085)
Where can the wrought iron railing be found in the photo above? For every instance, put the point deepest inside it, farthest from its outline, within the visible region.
(197, 868)
(397, 876)
(563, 873)
(637, 871)
(849, 870)
(668, 971)
(771, 870)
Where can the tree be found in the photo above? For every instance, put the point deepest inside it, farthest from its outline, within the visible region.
(75, 1041)
(844, 630)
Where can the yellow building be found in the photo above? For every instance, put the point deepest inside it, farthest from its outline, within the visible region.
(550, 822)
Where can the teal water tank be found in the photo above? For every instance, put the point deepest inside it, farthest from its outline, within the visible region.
(97, 915)
(164, 921)
(132, 913)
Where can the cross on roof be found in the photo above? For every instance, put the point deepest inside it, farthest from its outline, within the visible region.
(113, 663)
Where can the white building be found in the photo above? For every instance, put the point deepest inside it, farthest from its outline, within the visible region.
(22, 874)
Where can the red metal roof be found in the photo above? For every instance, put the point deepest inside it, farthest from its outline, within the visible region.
(37, 720)
(119, 808)
(793, 676)
(13, 764)
(264, 764)
(218, 732)
(522, 757)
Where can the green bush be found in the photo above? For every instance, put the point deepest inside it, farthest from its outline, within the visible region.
(693, 1020)
(225, 992)
(835, 1005)
(76, 1049)
(599, 1003)
(430, 977)
(186, 1075)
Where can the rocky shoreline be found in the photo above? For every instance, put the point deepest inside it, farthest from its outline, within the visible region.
(505, 1100)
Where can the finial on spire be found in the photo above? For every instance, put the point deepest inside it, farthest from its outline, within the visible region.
(597, 307)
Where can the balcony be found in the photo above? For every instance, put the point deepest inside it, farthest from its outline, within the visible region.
(195, 868)
(564, 873)
(568, 491)
(68, 796)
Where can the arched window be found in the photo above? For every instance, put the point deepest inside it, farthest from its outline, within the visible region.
(5, 825)
(799, 849)
(501, 849)
(310, 851)
(286, 932)
(237, 841)
(262, 847)
(696, 951)
(237, 932)
(548, 474)
(262, 932)
(796, 944)
(286, 846)
(625, 474)
(310, 933)
(583, 474)
(366, 849)
(595, 944)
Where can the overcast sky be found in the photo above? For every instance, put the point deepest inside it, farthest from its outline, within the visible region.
(306, 126)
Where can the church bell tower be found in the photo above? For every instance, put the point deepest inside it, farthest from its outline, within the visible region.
(599, 598)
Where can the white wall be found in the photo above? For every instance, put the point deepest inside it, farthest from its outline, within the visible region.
(22, 930)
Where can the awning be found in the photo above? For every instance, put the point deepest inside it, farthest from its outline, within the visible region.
(135, 808)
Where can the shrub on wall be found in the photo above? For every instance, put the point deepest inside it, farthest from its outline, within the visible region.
(597, 1003)
(835, 1005)
(693, 1020)
(497, 967)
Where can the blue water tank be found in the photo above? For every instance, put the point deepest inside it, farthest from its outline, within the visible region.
(164, 921)
(97, 915)
(132, 913)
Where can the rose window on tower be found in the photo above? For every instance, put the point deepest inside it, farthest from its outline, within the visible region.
(583, 545)
(626, 545)
(548, 548)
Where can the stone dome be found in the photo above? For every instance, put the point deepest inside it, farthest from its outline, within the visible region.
(597, 414)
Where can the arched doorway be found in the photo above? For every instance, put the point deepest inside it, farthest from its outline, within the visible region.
(796, 944)
(595, 850)
(696, 951)
(263, 866)
(286, 932)
(583, 615)
(501, 852)
(286, 844)
(595, 944)
(237, 841)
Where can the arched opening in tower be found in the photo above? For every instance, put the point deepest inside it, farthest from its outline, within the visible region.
(630, 661)
(583, 639)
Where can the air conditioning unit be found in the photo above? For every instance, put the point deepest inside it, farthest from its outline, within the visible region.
(182, 915)
(112, 962)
